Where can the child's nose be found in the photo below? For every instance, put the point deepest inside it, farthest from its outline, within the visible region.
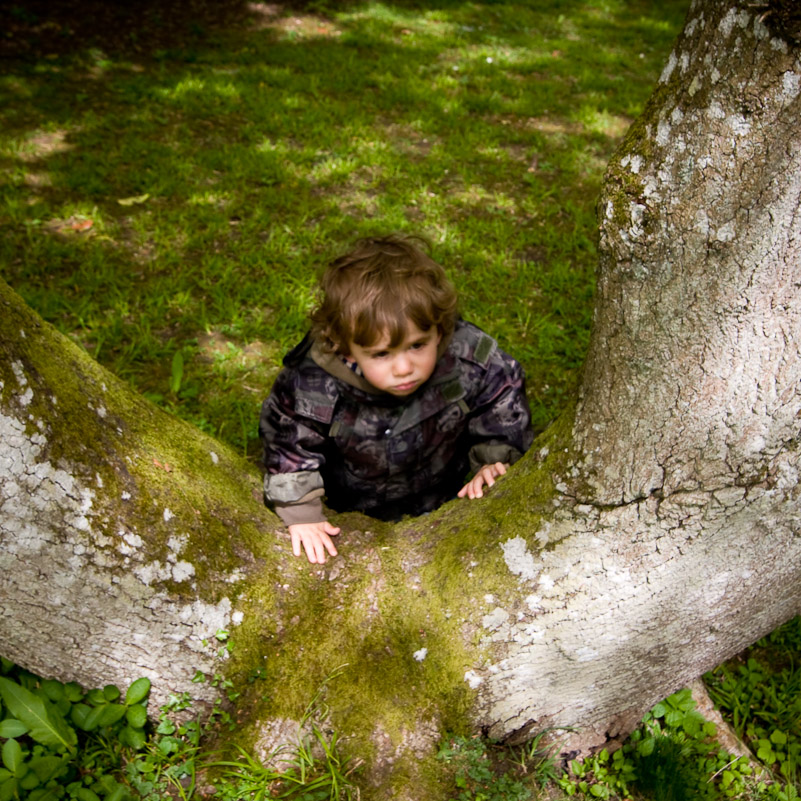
(403, 365)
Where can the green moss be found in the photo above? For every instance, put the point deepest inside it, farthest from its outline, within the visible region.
(622, 187)
(394, 602)
(302, 622)
(138, 461)
(374, 621)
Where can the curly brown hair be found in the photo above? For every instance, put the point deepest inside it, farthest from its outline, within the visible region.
(377, 289)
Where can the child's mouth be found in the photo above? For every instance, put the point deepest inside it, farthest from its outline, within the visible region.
(406, 387)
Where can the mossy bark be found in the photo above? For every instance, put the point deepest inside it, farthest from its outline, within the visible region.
(128, 539)
(652, 532)
(126, 535)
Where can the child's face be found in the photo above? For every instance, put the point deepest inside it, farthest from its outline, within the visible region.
(402, 369)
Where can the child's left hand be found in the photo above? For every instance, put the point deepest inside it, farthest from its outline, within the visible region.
(486, 475)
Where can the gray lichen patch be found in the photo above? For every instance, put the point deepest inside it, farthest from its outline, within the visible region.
(52, 558)
(519, 559)
(120, 548)
(154, 478)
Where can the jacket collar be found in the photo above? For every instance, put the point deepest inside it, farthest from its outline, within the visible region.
(332, 363)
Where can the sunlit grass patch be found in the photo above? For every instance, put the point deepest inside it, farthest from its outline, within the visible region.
(219, 178)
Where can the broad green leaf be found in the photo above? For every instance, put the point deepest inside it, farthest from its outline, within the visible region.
(135, 738)
(46, 794)
(168, 745)
(111, 713)
(64, 706)
(48, 767)
(12, 728)
(137, 716)
(104, 784)
(79, 714)
(119, 793)
(8, 789)
(166, 727)
(54, 690)
(659, 710)
(692, 723)
(778, 737)
(111, 692)
(93, 718)
(96, 697)
(44, 723)
(30, 780)
(73, 692)
(85, 794)
(12, 756)
(138, 691)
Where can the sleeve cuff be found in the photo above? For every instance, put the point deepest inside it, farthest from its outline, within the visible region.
(288, 488)
(308, 509)
(491, 452)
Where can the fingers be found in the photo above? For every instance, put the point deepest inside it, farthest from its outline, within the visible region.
(315, 551)
(474, 488)
(329, 545)
(316, 546)
(485, 476)
(296, 540)
(315, 539)
(501, 468)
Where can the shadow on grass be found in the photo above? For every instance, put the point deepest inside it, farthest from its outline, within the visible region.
(37, 29)
(184, 168)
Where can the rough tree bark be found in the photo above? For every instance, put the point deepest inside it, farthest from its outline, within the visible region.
(678, 523)
(651, 533)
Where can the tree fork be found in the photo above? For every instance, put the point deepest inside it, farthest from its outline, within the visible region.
(650, 534)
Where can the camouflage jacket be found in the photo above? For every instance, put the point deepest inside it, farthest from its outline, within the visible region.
(325, 430)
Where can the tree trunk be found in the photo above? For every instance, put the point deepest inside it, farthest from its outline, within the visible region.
(650, 534)
(675, 542)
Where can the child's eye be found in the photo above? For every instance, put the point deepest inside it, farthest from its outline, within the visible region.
(418, 345)
(381, 354)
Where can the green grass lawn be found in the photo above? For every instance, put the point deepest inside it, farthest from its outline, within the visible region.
(183, 200)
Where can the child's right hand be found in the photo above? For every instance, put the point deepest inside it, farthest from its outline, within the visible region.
(316, 539)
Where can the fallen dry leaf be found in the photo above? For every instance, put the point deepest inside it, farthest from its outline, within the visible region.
(132, 201)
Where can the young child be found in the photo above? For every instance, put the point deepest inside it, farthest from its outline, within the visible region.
(389, 401)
